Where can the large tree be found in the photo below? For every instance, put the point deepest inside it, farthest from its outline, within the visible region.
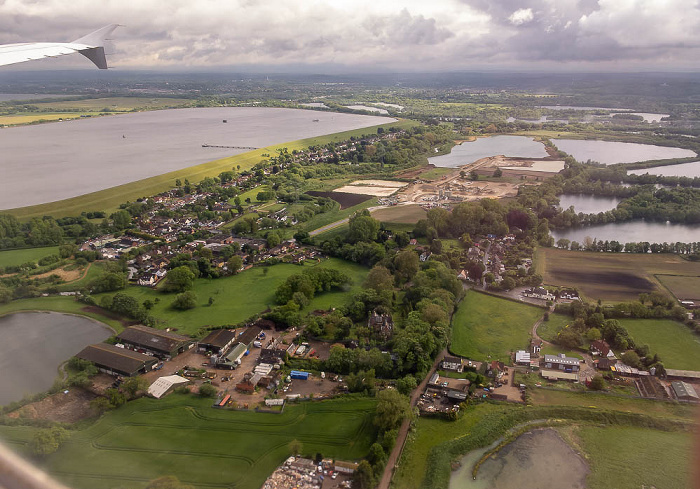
(392, 409)
(179, 279)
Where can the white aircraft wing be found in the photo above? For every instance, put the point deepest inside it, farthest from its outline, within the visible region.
(90, 46)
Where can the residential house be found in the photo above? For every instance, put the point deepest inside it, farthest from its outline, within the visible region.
(452, 363)
(382, 325)
(601, 348)
(496, 369)
(535, 348)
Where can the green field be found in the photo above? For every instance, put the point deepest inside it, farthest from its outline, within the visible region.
(109, 199)
(677, 346)
(488, 328)
(114, 104)
(238, 297)
(547, 330)
(19, 257)
(630, 458)
(406, 214)
(183, 436)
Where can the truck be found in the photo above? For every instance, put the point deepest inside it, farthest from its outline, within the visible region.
(257, 344)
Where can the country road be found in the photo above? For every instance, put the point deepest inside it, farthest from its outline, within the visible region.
(328, 227)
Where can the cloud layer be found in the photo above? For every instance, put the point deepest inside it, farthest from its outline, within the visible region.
(412, 35)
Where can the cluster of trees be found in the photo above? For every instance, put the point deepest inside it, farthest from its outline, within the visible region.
(301, 287)
(125, 305)
(593, 244)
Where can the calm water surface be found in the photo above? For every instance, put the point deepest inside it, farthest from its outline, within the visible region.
(469, 152)
(633, 232)
(537, 459)
(368, 108)
(34, 344)
(691, 170)
(50, 162)
(609, 152)
(588, 204)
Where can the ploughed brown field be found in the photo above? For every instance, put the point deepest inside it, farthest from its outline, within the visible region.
(344, 199)
(612, 276)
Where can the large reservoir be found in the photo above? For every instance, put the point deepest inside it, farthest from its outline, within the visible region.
(50, 162)
(34, 344)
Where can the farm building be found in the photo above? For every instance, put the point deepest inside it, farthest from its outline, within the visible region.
(249, 335)
(164, 385)
(561, 362)
(452, 363)
(230, 360)
(163, 344)
(272, 355)
(682, 374)
(522, 357)
(117, 361)
(559, 375)
(535, 348)
(345, 467)
(684, 391)
(219, 341)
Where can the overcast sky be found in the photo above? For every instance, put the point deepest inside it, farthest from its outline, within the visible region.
(367, 35)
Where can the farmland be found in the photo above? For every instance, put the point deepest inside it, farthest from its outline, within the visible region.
(18, 257)
(677, 346)
(629, 458)
(344, 199)
(609, 276)
(238, 297)
(408, 214)
(183, 436)
(488, 328)
(682, 287)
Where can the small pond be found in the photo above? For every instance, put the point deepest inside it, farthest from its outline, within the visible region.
(537, 459)
(588, 204)
(609, 152)
(469, 152)
(34, 344)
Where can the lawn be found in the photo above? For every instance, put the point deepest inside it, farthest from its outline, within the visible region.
(239, 297)
(409, 214)
(109, 199)
(547, 330)
(183, 436)
(630, 458)
(19, 257)
(683, 288)
(489, 328)
(610, 276)
(677, 346)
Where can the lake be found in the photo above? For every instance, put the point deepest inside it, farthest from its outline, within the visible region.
(469, 152)
(648, 117)
(534, 460)
(588, 204)
(609, 152)
(49, 162)
(690, 170)
(633, 231)
(34, 344)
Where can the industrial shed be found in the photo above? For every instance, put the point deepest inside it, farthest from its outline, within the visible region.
(163, 385)
(249, 335)
(218, 341)
(117, 361)
(163, 344)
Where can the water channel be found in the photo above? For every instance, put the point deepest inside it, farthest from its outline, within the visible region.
(34, 344)
(609, 152)
(469, 152)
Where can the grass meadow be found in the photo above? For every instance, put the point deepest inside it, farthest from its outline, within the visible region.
(238, 297)
(630, 458)
(19, 257)
(682, 287)
(182, 435)
(489, 328)
(677, 346)
(403, 214)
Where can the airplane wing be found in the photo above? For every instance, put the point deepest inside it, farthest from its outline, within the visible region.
(90, 46)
